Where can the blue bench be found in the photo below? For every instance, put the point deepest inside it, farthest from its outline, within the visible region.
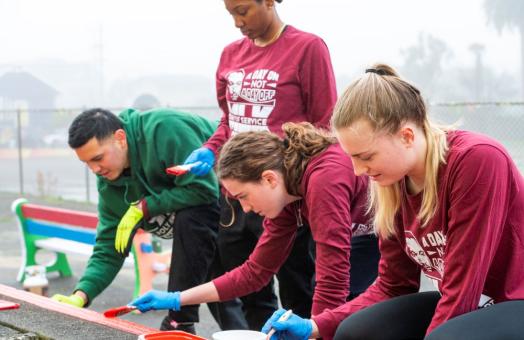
(64, 231)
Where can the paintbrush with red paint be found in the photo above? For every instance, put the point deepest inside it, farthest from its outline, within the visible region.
(114, 312)
(178, 170)
(8, 305)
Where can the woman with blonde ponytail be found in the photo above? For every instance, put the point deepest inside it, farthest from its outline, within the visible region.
(446, 203)
(301, 181)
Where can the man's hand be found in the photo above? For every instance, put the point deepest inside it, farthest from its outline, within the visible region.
(204, 160)
(128, 222)
(156, 299)
(294, 328)
(73, 300)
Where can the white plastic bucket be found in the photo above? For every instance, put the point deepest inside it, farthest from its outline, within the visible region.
(239, 335)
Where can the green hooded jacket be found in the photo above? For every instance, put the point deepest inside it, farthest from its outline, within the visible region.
(157, 139)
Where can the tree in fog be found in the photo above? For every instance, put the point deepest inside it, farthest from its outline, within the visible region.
(430, 65)
(424, 61)
(508, 14)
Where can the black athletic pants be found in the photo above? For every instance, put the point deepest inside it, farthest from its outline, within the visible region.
(408, 317)
(194, 257)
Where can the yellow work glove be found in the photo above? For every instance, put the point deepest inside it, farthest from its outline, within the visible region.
(73, 300)
(126, 226)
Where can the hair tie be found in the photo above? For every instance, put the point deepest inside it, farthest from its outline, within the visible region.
(374, 70)
(286, 143)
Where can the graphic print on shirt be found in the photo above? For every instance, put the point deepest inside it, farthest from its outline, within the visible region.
(162, 225)
(250, 99)
(428, 253)
(361, 229)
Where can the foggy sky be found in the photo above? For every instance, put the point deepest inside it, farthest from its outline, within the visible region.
(176, 36)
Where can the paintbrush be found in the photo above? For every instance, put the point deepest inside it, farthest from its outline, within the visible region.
(114, 312)
(178, 170)
(8, 305)
(283, 317)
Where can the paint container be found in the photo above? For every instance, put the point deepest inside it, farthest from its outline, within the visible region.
(35, 280)
(239, 335)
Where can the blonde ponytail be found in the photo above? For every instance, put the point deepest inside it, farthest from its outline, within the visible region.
(386, 101)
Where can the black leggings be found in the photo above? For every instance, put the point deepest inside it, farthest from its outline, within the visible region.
(408, 317)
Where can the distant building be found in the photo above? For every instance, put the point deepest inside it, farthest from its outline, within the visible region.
(173, 90)
(23, 90)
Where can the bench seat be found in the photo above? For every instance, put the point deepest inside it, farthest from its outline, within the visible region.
(64, 231)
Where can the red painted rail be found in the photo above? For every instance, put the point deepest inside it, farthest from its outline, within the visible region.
(79, 313)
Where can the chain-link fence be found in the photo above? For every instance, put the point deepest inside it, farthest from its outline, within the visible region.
(502, 121)
(35, 158)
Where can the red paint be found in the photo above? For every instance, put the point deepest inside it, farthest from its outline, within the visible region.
(114, 312)
(170, 335)
(63, 216)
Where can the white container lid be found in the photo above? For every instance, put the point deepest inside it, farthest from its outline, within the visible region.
(35, 281)
(239, 335)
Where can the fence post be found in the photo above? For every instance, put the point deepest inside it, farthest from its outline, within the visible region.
(19, 140)
(87, 184)
(86, 173)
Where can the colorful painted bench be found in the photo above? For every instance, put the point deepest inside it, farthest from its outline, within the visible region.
(63, 231)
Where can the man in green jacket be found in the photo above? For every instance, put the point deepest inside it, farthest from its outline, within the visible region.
(129, 155)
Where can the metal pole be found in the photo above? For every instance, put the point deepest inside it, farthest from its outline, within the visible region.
(87, 184)
(19, 140)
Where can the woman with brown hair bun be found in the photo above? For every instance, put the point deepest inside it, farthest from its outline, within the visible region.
(304, 178)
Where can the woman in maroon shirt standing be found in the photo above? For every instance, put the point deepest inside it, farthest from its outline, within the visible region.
(303, 180)
(447, 203)
(275, 74)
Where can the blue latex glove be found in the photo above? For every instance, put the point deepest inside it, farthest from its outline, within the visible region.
(156, 299)
(204, 160)
(294, 328)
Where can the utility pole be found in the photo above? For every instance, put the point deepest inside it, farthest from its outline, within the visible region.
(478, 50)
(521, 34)
(99, 46)
(20, 150)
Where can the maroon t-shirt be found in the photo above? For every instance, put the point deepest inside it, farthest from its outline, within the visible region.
(334, 204)
(473, 248)
(260, 88)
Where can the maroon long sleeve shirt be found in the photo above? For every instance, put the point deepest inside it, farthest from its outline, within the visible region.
(334, 205)
(472, 248)
(261, 88)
